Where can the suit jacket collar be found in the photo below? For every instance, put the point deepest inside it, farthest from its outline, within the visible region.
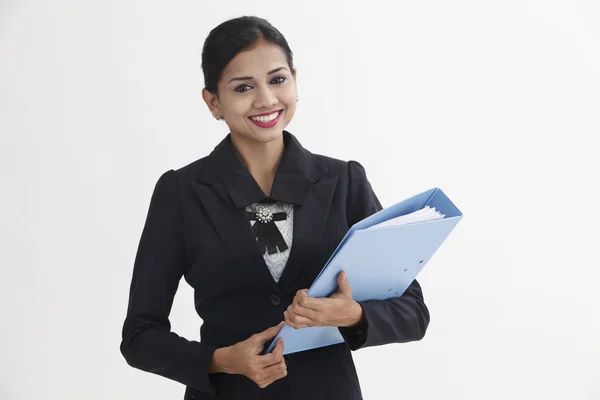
(297, 171)
(226, 187)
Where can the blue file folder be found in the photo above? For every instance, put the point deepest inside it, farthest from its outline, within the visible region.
(380, 263)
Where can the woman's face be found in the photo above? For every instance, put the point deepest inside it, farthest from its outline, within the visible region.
(257, 93)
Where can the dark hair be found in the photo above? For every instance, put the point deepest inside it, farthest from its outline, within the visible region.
(232, 37)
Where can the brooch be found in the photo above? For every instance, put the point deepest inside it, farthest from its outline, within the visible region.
(264, 215)
(268, 236)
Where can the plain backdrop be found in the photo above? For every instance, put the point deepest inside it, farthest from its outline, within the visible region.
(497, 103)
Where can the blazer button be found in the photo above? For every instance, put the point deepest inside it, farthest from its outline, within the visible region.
(275, 299)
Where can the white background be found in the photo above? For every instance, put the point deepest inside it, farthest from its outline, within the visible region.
(497, 103)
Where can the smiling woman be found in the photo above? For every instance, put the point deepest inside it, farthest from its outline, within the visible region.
(249, 227)
(254, 91)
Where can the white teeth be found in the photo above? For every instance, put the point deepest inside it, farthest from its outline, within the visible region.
(266, 118)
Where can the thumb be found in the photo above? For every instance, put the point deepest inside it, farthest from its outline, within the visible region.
(269, 333)
(344, 285)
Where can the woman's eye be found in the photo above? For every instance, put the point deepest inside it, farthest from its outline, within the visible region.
(243, 88)
(278, 80)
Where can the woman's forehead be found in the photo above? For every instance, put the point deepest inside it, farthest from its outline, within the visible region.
(259, 59)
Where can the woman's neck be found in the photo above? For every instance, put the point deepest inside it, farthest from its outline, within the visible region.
(260, 158)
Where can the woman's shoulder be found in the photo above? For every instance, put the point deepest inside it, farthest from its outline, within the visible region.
(190, 171)
(193, 168)
(336, 166)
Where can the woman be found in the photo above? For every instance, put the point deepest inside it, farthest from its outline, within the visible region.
(249, 227)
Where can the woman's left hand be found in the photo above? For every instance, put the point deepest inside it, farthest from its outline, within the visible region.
(339, 309)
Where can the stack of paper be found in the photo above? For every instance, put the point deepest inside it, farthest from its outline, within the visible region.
(425, 214)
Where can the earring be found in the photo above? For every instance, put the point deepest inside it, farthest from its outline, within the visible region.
(218, 117)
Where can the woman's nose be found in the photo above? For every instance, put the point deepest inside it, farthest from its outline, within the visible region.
(265, 99)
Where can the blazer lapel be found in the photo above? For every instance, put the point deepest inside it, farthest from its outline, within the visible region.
(225, 188)
(235, 231)
(309, 223)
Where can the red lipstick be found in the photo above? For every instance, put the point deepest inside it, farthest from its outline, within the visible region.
(267, 124)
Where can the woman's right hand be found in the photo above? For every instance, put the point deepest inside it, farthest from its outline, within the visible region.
(245, 358)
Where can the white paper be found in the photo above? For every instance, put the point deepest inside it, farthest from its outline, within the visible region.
(425, 214)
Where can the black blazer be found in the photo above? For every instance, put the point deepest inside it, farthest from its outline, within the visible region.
(197, 227)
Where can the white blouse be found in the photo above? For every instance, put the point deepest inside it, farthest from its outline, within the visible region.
(277, 261)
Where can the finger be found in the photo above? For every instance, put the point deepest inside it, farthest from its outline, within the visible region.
(297, 321)
(300, 300)
(276, 371)
(269, 333)
(304, 312)
(304, 300)
(341, 278)
(343, 283)
(278, 350)
(307, 312)
(274, 357)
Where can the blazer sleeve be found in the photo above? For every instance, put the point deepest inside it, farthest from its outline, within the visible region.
(395, 320)
(147, 341)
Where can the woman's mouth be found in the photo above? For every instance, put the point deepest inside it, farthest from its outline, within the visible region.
(267, 121)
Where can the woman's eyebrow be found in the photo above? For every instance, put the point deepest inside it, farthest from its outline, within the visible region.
(247, 78)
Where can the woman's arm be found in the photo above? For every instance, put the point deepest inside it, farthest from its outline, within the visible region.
(395, 320)
(147, 341)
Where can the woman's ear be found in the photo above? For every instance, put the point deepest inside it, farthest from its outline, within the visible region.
(211, 100)
(294, 74)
